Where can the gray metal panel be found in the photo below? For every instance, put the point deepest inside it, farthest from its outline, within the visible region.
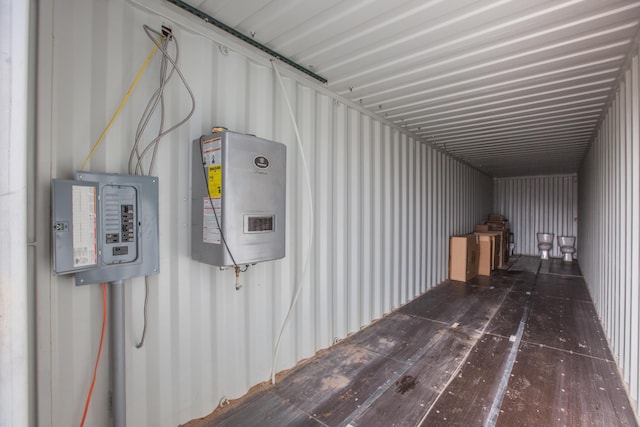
(147, 260)
(609, 206)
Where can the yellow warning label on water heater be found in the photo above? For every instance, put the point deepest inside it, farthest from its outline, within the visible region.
(215, 181)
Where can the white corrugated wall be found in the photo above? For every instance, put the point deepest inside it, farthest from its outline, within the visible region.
(384, 203)
(609, 206)
(538, 204)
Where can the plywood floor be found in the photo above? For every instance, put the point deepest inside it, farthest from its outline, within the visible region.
(523, 347)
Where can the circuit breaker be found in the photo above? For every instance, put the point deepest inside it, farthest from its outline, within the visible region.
(105, 226)
(238, 199)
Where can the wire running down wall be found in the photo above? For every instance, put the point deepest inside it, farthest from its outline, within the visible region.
(609, 201)
(538, 204)
(385, 206)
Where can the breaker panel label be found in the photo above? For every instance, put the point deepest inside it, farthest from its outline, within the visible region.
(210, 229)
(84, 226)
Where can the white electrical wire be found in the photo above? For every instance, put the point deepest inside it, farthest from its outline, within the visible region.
(308, 254)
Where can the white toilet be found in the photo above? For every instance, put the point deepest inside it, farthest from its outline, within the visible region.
(545, 243)
(566, 244)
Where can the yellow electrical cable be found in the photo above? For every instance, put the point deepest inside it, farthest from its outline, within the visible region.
(124, 100)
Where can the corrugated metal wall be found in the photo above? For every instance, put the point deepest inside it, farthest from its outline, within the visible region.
(609, 201)
(385, 205)
(538, 204)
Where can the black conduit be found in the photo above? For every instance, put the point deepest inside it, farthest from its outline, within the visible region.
(211, 20)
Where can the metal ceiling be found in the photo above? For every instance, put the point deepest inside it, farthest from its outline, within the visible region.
(513, 87)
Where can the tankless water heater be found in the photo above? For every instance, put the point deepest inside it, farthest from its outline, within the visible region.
(238, 199)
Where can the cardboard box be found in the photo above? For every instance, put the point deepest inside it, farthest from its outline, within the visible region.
(498, 225)
(482, 228)
(501, 246)
(496, 217)
(463, 257)
(487, 258)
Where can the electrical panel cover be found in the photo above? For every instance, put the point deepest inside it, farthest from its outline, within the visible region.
(105, 227)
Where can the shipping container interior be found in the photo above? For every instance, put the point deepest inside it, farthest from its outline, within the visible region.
(405, 122)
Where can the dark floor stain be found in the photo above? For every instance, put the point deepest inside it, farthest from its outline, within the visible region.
(405, 384)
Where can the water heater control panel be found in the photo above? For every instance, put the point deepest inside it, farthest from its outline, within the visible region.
(238, 186)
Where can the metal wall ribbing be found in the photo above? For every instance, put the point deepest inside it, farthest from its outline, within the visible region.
(538, 204)
(609, 207)
(384, 204)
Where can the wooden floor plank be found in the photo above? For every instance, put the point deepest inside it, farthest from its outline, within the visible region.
(397, 336)
(526, 263)
(261, 409)
(562, 287)
(522, 281)
(468, 399)
(566, 324)
(332, 385)
(500, 279)
(457, 303)
(558, 266)
(443, 355)
(550, 387)
(407, 400)
(506, 320)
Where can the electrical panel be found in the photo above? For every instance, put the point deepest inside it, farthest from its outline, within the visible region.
(238, 199)
(105, 227)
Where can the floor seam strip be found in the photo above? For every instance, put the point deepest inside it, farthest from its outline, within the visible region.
(504, 381)
(383, 388)
(511, 360)
(288, 402)
(410, 362)
(462, 362)
(537, 344)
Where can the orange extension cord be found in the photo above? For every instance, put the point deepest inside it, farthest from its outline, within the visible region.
(95, 370)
